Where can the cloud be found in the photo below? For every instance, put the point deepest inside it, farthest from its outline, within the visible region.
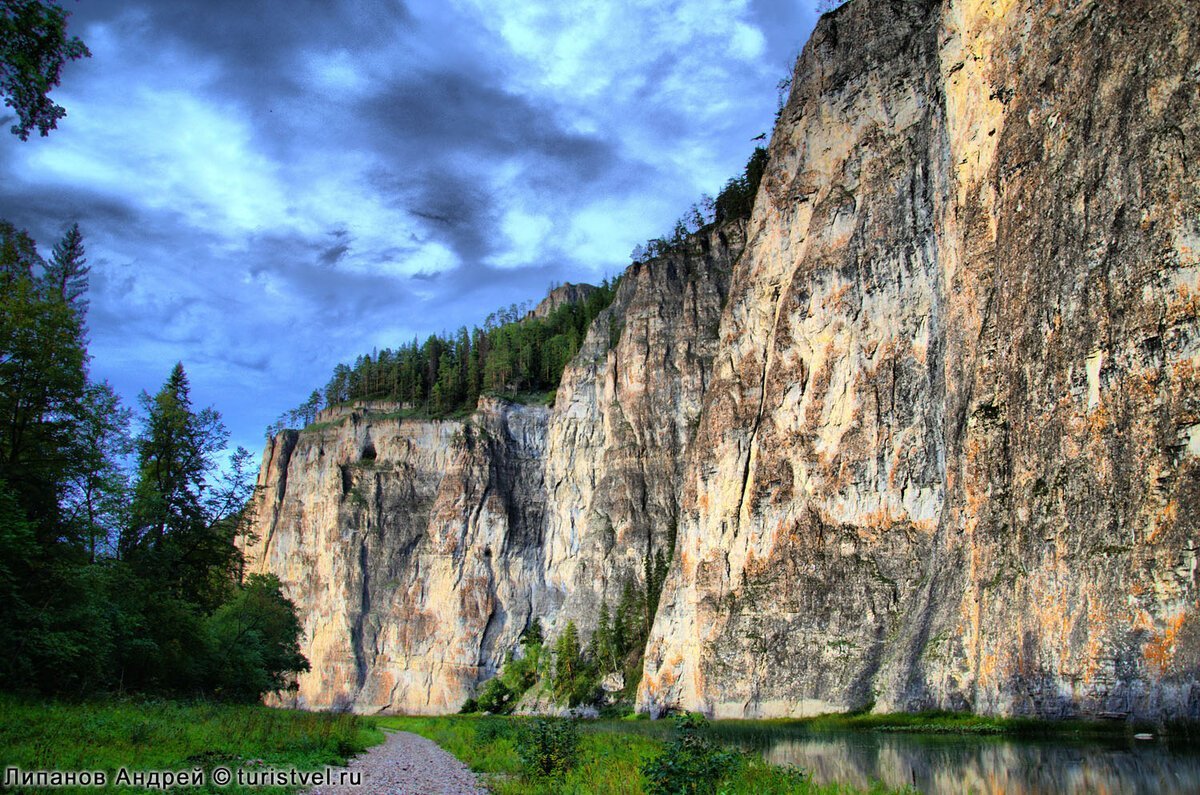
(268, 188)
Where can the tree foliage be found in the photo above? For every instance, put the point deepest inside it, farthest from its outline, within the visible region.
(34, 47)
(500, 694)
(691, 763)
(736, 200)
(549, 746)
(574, 680)
(512, 354)
(255, 640)
(106, 585)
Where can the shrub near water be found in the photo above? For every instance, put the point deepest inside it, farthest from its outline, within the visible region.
(691, 763)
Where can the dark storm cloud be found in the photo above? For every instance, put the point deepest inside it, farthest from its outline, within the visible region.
(443, 112)
(453, 207)
(330, 256)
(267, 188)
(45, 214)
(258, 42)
(436, 128)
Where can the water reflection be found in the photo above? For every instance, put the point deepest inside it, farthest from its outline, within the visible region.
(944, 765)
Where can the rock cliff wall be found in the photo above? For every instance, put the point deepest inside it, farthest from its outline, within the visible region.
(623, 420)
(411, 549)
(950, 456)
(925, 432)
(417, 551)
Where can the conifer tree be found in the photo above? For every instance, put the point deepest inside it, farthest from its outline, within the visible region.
(67, 272)
(602, 641)
(171, 531)
(568, 662)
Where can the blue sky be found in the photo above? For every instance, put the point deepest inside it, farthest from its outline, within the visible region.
(269, 188)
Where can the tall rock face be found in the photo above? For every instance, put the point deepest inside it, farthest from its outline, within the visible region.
(418, 551)
(411, 549)
(950, 456)
(623, 420)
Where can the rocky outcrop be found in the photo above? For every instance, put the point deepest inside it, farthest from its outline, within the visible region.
(411, 549)
(417, 551)
(624, 417)
(561, 295)
(924, 433)
(950, 455)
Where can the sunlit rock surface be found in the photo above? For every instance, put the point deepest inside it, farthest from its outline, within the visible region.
(417, 551)
(927, 429)
(950, 453)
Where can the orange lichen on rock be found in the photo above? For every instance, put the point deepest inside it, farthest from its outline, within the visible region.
(1159, 652)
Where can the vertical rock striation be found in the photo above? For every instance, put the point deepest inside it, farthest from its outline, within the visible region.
(924, 433)
(950, 455)
(412, 550)
(417, 551)
(624, 417)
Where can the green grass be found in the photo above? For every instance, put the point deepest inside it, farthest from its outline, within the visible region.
(610, 760)
(169, 735)
(938, 722)
(325, 425)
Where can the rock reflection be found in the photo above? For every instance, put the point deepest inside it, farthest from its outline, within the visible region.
(990, 766)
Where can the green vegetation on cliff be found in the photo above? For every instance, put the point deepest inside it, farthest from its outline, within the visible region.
(511, 356)
(514, 355)
(735, 201)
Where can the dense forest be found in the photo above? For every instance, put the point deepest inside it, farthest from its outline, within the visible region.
(514, 355)
(119, 570)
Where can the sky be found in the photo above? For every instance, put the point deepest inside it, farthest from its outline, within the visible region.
(268, 188)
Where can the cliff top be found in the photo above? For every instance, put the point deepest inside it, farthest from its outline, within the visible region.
(558, 296)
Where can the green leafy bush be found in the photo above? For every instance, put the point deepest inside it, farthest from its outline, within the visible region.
(549, 746)
(495, 697)
(691, 763)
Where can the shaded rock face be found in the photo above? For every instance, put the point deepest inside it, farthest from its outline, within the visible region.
(950, 456)
(418, 551)
(624, 417)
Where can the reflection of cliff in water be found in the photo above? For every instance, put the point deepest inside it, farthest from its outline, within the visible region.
(990, 766)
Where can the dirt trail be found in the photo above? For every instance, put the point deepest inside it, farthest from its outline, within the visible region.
(408, 764)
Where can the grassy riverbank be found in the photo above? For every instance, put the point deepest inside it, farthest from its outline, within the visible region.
(964, 723)
(611, 758)
(170, 735)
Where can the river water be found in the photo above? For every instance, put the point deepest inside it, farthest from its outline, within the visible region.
(956, 765)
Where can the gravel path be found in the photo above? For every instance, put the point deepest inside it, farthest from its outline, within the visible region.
(408, 764)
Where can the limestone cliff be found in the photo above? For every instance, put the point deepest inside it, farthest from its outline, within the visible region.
(624, 417)
(411, 549)
(417, 551)
(951, 452)
(561, 295)
(925, 431)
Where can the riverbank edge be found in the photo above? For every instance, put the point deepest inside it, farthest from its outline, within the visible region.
(969, 723)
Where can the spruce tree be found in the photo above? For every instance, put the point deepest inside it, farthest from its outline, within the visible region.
(171, 533)
(568, 663)
(602, 641)
(66, 273)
